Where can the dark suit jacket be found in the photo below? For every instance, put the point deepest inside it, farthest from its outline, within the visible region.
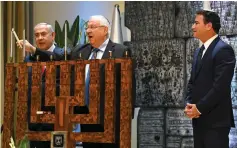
(57, 54)
(210, 86)
(118, 51)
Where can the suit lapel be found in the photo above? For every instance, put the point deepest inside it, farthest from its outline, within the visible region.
(109, 47)
(194, 64)
(207, 53)
(58, 53)
(86, 52)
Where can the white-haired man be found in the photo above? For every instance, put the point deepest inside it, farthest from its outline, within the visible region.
(100, 45)
(44, 38)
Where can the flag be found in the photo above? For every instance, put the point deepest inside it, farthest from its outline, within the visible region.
(116, 30)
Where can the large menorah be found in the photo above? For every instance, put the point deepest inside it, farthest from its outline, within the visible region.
(63, 119)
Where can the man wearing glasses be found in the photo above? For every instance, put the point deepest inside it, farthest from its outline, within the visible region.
(99, 47)
(44, 38)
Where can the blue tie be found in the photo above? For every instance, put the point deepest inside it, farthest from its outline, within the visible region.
(87, 82)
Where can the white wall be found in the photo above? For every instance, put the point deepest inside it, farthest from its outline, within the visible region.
(61, 11)
(1, 69)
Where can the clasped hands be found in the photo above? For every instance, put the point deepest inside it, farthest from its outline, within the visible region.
(191, 111)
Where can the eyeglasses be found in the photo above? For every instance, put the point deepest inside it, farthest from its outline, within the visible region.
(93, 27)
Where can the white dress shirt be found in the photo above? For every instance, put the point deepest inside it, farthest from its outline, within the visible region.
(98, 55)
(208, 43)
(51, 48)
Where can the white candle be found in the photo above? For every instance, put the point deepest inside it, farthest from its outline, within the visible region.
(65, 44)
(24, 42)
(11, 45)
(16, 36)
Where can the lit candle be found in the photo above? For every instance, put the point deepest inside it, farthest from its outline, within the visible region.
(65, 44)
(24, 43)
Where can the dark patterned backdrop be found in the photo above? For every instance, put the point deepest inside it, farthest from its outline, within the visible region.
(163, 48)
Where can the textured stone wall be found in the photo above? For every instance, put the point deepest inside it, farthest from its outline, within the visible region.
(150, 20)
(159, 72)
(184, 16)
(163, 48)
(227, 11)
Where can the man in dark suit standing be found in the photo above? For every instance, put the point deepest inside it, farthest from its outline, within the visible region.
(98, 34)
(209, 88)
(44, 38)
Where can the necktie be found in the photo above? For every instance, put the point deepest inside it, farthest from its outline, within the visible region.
(87, 87)
(87, 82)
(199, 58)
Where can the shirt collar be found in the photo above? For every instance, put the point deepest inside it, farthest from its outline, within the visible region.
(209, 41)
(103, 46)
(51, 48)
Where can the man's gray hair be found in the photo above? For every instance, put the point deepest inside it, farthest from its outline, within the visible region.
(46, 24)
(103, 22)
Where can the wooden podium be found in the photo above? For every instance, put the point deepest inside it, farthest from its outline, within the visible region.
(63, 119)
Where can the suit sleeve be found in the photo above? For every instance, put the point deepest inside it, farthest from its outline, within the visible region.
(188, 98)
(224, 63)
(76, 50)
(43, 55)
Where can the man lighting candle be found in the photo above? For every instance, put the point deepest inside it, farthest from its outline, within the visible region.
(44, 38)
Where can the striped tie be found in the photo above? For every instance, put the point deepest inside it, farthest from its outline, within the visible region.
(93, 56)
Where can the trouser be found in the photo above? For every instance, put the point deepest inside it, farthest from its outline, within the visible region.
(211, 137)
